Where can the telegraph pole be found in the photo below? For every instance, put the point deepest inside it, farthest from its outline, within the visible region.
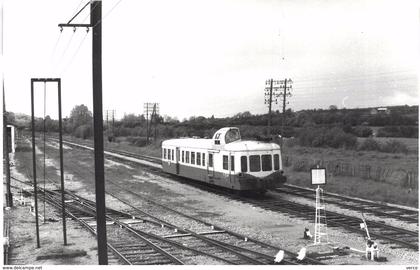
(269, 107)
(154, 120)
(147, 124)
(96, 23)
(107, 123)
(9, 199)
(113, 122)
(269, 99)
(272, 92)
(286, 93)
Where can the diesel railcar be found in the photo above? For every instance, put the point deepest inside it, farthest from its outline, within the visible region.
(225, 161)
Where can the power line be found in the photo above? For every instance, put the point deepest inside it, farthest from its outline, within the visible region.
(67, 47)
(361, 76)
(109, 12)
(74, 55)
(77, 8)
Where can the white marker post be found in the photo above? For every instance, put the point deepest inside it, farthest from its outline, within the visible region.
(318, 177)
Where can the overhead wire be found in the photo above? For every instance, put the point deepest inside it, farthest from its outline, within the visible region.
(77, 8)
(108, 13)
(63, 71)
(58, 41)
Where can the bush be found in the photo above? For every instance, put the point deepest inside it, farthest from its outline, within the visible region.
(394, 146)
(399, 131)
(83, 131)
(137, 141)
(362, 131)
(370, 145)
(321, 137)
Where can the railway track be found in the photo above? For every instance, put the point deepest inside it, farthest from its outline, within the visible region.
(380, 210)
(381, 231)
(138, 237)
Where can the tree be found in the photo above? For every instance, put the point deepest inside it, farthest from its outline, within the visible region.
(170, 120)
(80, 115)
(130, 120)
(333, 108)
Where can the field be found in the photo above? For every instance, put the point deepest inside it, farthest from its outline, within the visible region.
(384, 177)
(411, 143)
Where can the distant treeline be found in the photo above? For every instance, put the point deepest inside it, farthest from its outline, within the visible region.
(396, 121)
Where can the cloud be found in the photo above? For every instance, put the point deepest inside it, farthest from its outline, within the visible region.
(401, 98)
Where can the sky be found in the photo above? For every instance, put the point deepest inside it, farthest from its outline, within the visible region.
(213, 57)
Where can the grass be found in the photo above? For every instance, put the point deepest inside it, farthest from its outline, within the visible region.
(356, 187)
(411, 143)
(122, 144)
(389, 190)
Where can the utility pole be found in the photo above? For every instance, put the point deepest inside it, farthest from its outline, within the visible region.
(286, 93)
(107, 123)
(154, 108)
(269, 100)
(147, 124)
(96, 25)
(110, 131)
(113, 122)
(269, 107)
(154, 121)
(9, 199)
(272, 92)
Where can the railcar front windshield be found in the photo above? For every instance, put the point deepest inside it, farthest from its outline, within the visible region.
(232, 135)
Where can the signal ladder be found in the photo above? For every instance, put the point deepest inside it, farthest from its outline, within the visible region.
(320, 218)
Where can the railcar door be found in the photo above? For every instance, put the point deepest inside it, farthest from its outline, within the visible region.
(231, 166)
(210, 166)
(177, 160)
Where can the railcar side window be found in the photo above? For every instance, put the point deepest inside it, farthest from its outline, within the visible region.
(187, 157)
(266, 163)
(244, 164)
(169, 153)
(204, 160)
(164, 153)
(254, 163)
(182, 156)
(173, 156)
(198, 158)
(192, 157)
(276, 162)
(225, 162)
(232, 163)
(210, 160)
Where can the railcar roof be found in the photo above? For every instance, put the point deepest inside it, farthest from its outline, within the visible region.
(233, 146)
(189, 142)
(251, 146)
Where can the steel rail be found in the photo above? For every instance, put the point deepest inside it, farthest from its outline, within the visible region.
(57, 204)
(239, 236)
(208, 240)
(381, 209)
(350, 223)
(90, 212)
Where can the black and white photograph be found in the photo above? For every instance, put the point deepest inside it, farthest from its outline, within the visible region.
(210, 133)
